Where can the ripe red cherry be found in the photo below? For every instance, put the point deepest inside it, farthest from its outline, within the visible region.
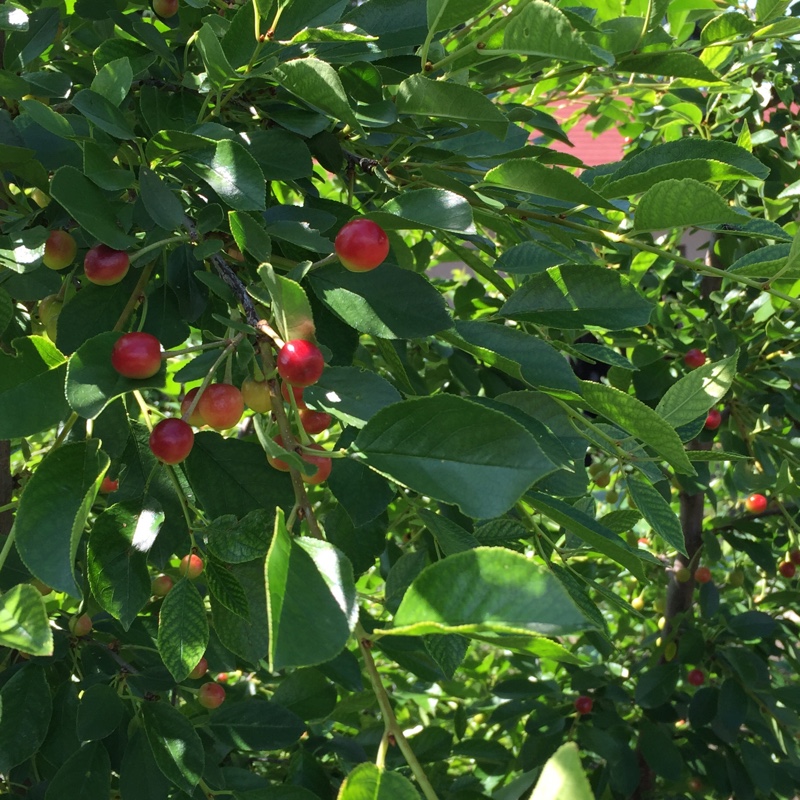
(256, 395)
(297, 391)
(105, 266)
(165, 8)
(59, 250)
(108, 485)
(196, 418)
(702, 574)
(323, 465)
(756, 504)
(787, 569)
(694, 358)
(361, 245)
(713, 420)
(80, 626)
(794, 556)
(278, 463)
(211, 695)
(191, 566)
(171, 440)
(584, 704)
(300, 362)
(161, 585)
(314, 421)
(199, 670)
(696, 677)
(221, 406)
(136, 355)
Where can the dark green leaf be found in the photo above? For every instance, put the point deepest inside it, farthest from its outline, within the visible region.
(226, 589)
(426, 209)
(26, 706)
(256, 724)
(103, 113)
(451, 538)
(85, 774)
(660, 752)
(656, 685)
(160, 202)
(99, 713)
(235, 542)
(232, 173)
(656, 510)
(182, 629)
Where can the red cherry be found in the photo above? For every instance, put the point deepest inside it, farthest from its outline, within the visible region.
(191, 566)
(165, 8)
(297, 391)
(161, 585)
(695, 784)
(361, 245)
(136, 355)
(80, 626)
(171, 440)
(787, 569)
(584, 704)
(222, 677)
(696, 677)
(199, 670)
(221, 406)
(107, 486)
(314, 421)
(713, 420)
(794, 556)
(256, 395)
(211, 695)
(756, 504)
(694, 358)
(278, 463)
(196, 418)
(300, 362)
(105, 266)
(702, 574)
(59, 250)
(323, 465)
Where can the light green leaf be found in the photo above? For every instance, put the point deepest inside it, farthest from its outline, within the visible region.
(50, 120)
(422, 97)
(103, 113)
(451, 538)
(668, 64)
(160, 202)
(290, 307)
(426, 209)
(250, 235)
(455, 450)
(368, 782)
(216, 62)
(232, 173)
(682, 203)
(766, 262)
(529, 176)
(656, 510)
(694, 394)
(563, 777)
(182, 629)
(49, 524)
(113, 80)
(23, 621)
(508, 594)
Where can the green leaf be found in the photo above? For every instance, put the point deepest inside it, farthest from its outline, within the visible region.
(160, 202)
(508, 594)
(529, 176)
(99, 713)
(85, 774)
(563, 777)
(216, 62)
(698, 391)
(640, 420)
(176, 746)
(311, 600)
(113, 80)
(766, 262)
(447, 650)
(540, 364)
(249, 235)
(236, 541)
(426, 209)
(290, 307)
(597, 536)
(362, 493)
(388, 302)
(232, 173)
(540, 29)
(49, 524)
(103, 113)
(316, 82)
(573, 296)
(182, 629)
(31, 388)
(455, 450)
(451, 538)
(256, 724)
(26, 707)
(139, 776)
(656, 510)
(668, 64)
(655, 686)
(351, 394)
(682, 203)
(50, 120)
(226, 589)
(422, 97)
(89, 207)
(92, 382)
(116, 558)
(282, 155)
(23, 621)
(368, 782)
(660, 751)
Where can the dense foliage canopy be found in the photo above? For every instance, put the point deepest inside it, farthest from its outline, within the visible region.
(534, 535)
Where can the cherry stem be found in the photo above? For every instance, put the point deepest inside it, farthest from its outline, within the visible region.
(6, 547)
(137, 254)
(133, 300)
(195, 348)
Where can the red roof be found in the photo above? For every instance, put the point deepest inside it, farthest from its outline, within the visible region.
(604, 148)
